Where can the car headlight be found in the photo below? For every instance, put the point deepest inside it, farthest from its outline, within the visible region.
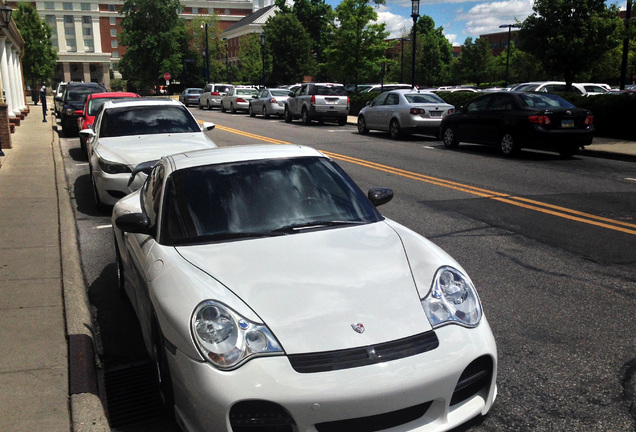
(227, 339)
(113, 168)
(452, 299)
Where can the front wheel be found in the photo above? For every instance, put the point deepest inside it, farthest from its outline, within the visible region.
(232, 108)
(342, 121)
(449, 138)
(288, 116)
(507, 145)
(362, 126)
(305, 117)
(99, 204)
(251, 111)
(394, 129)
(160, 360)
(265, 113)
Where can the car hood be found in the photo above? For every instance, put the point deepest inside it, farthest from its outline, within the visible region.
(132, 150)
(311, 288)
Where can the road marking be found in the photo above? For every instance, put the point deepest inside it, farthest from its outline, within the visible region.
(630, 179)
(103, 226)
(526, 203)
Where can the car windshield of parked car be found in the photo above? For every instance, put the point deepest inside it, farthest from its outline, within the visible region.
(416, 98)
(259, 199)
(146, 120)
(95, 105)
(246, 92)
(77, 94)
(544, 101)
(325, 90)
(279, 92)
(222, 88)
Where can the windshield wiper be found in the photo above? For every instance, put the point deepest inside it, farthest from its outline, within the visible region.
(232, 236)
(296, 227)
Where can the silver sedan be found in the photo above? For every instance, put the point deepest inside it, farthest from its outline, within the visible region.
(238, 99)
(269, 102)
(402, 112)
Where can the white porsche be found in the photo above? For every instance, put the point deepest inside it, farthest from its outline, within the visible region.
(127, 133)
(273, 296)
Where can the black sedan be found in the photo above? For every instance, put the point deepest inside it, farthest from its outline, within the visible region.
(512, 120)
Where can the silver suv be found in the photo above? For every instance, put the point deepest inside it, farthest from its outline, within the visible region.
(211, 95)
(319, 101)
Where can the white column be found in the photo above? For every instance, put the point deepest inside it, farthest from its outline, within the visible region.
(6, 81)
(22, 101)
(79, 35)
(61, 34)
(13, 106)
(97, 36)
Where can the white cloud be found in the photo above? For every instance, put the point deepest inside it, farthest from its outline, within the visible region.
(487, 17)
(396, 24)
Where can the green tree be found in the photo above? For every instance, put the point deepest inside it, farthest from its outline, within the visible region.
(434, 56)
(155, 38)
(289, 46)
(195, 51)
(522, 67)
(251, 60)
(569, 36)
(476, 63)
(40, 57)
(356, 49)
(315, 16)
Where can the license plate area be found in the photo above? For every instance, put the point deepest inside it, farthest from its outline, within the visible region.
(567, 123)
(436, 113)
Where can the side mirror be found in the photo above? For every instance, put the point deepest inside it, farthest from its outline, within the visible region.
(369, 103)
(380, 195)
(291, 94)
(135, 223)
(207, 126)
(87, 134)
(144, 167)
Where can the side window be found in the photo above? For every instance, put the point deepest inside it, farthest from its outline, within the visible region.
(500, 103)
(479, 104)
(208, 88)
(152, 193)
(379, 100)
(392, 99)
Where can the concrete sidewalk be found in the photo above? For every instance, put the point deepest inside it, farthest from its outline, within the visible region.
(47, 365)
(47, 361)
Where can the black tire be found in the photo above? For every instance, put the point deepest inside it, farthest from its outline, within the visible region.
(287, 115)
(199, 105)
(222, 107)
(162, 368)
(121, 281)
(232, 108)
(362, 126)
(209, 107)
(99, 204)
(449, 137)
(265, 113)
(342, 121)
(568, 152)
(250, 110)
(394, 129)
(306, 120)
(508, 145)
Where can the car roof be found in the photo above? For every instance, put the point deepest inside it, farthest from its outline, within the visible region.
(112, 94)
(240, 154)
(141, 102)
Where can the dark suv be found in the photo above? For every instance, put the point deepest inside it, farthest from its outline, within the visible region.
(73, 103)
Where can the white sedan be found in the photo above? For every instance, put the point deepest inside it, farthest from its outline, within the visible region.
(270, 291)
(238, 99)
(128, 133)
(402, 112)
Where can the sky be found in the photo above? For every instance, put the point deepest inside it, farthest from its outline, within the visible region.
(459, 18)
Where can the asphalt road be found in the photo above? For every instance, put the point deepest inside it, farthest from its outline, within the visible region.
(548, 242)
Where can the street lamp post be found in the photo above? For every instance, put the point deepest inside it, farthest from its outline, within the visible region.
(263, 56)
(509, 26)
(227, 72)
(207, 54)
(415, 13)
(402, 40)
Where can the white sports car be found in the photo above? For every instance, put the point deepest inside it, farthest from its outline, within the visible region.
(273, 296)
(127, 133)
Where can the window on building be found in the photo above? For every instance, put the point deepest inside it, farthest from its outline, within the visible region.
(71, 44)
(86, 6)
(68, 19)
(195, 11)
(50, 20)
(112, 8)
(87, 31)
(49, 5)
(113, 32)
(115, 66)
(115, 54)
(67, 6)
(86, 20)
(89, 45)
(113, 21)
(114, 44)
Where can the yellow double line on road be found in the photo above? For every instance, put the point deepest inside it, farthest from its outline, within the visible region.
(562, 212)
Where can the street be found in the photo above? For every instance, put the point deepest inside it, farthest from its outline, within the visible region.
(548, 242)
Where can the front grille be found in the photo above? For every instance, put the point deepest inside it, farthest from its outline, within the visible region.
(364, 356)
(261, 416)
(376, 422)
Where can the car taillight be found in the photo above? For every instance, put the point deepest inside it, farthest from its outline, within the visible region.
(273, 100)
(215, 94)
(589, 120)
(542, 120)
(241, 100)
(417, 111)
(450, 111)
(313, 100)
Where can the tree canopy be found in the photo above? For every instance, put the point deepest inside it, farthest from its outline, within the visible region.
(289, 45)
(569, 36)
(40, 57)
(476, 63)
(155, 38)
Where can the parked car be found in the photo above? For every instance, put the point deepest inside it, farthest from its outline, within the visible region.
(377, 88)
(583, 89)
(514, 120)
(402, 112)
(58, 95)
(269, 102)
(190, 96)
(269, 288)
(129, 132)
(73, 102)
(212, 94)
(320, 101)
(93, 104)
(238, 99)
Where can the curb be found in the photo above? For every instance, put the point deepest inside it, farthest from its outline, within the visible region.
(86, 408)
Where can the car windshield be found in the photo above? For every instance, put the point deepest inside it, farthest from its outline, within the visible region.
(146, 120)
(330, 90)
(260, 198)
(79, 93)
(222, 88)
(95, 105)
(423, 98)
(544, 101)
(194, 91)
(279, 92)
(246, 92)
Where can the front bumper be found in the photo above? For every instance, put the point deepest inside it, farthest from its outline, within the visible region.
(112, 187)
(205, 396)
